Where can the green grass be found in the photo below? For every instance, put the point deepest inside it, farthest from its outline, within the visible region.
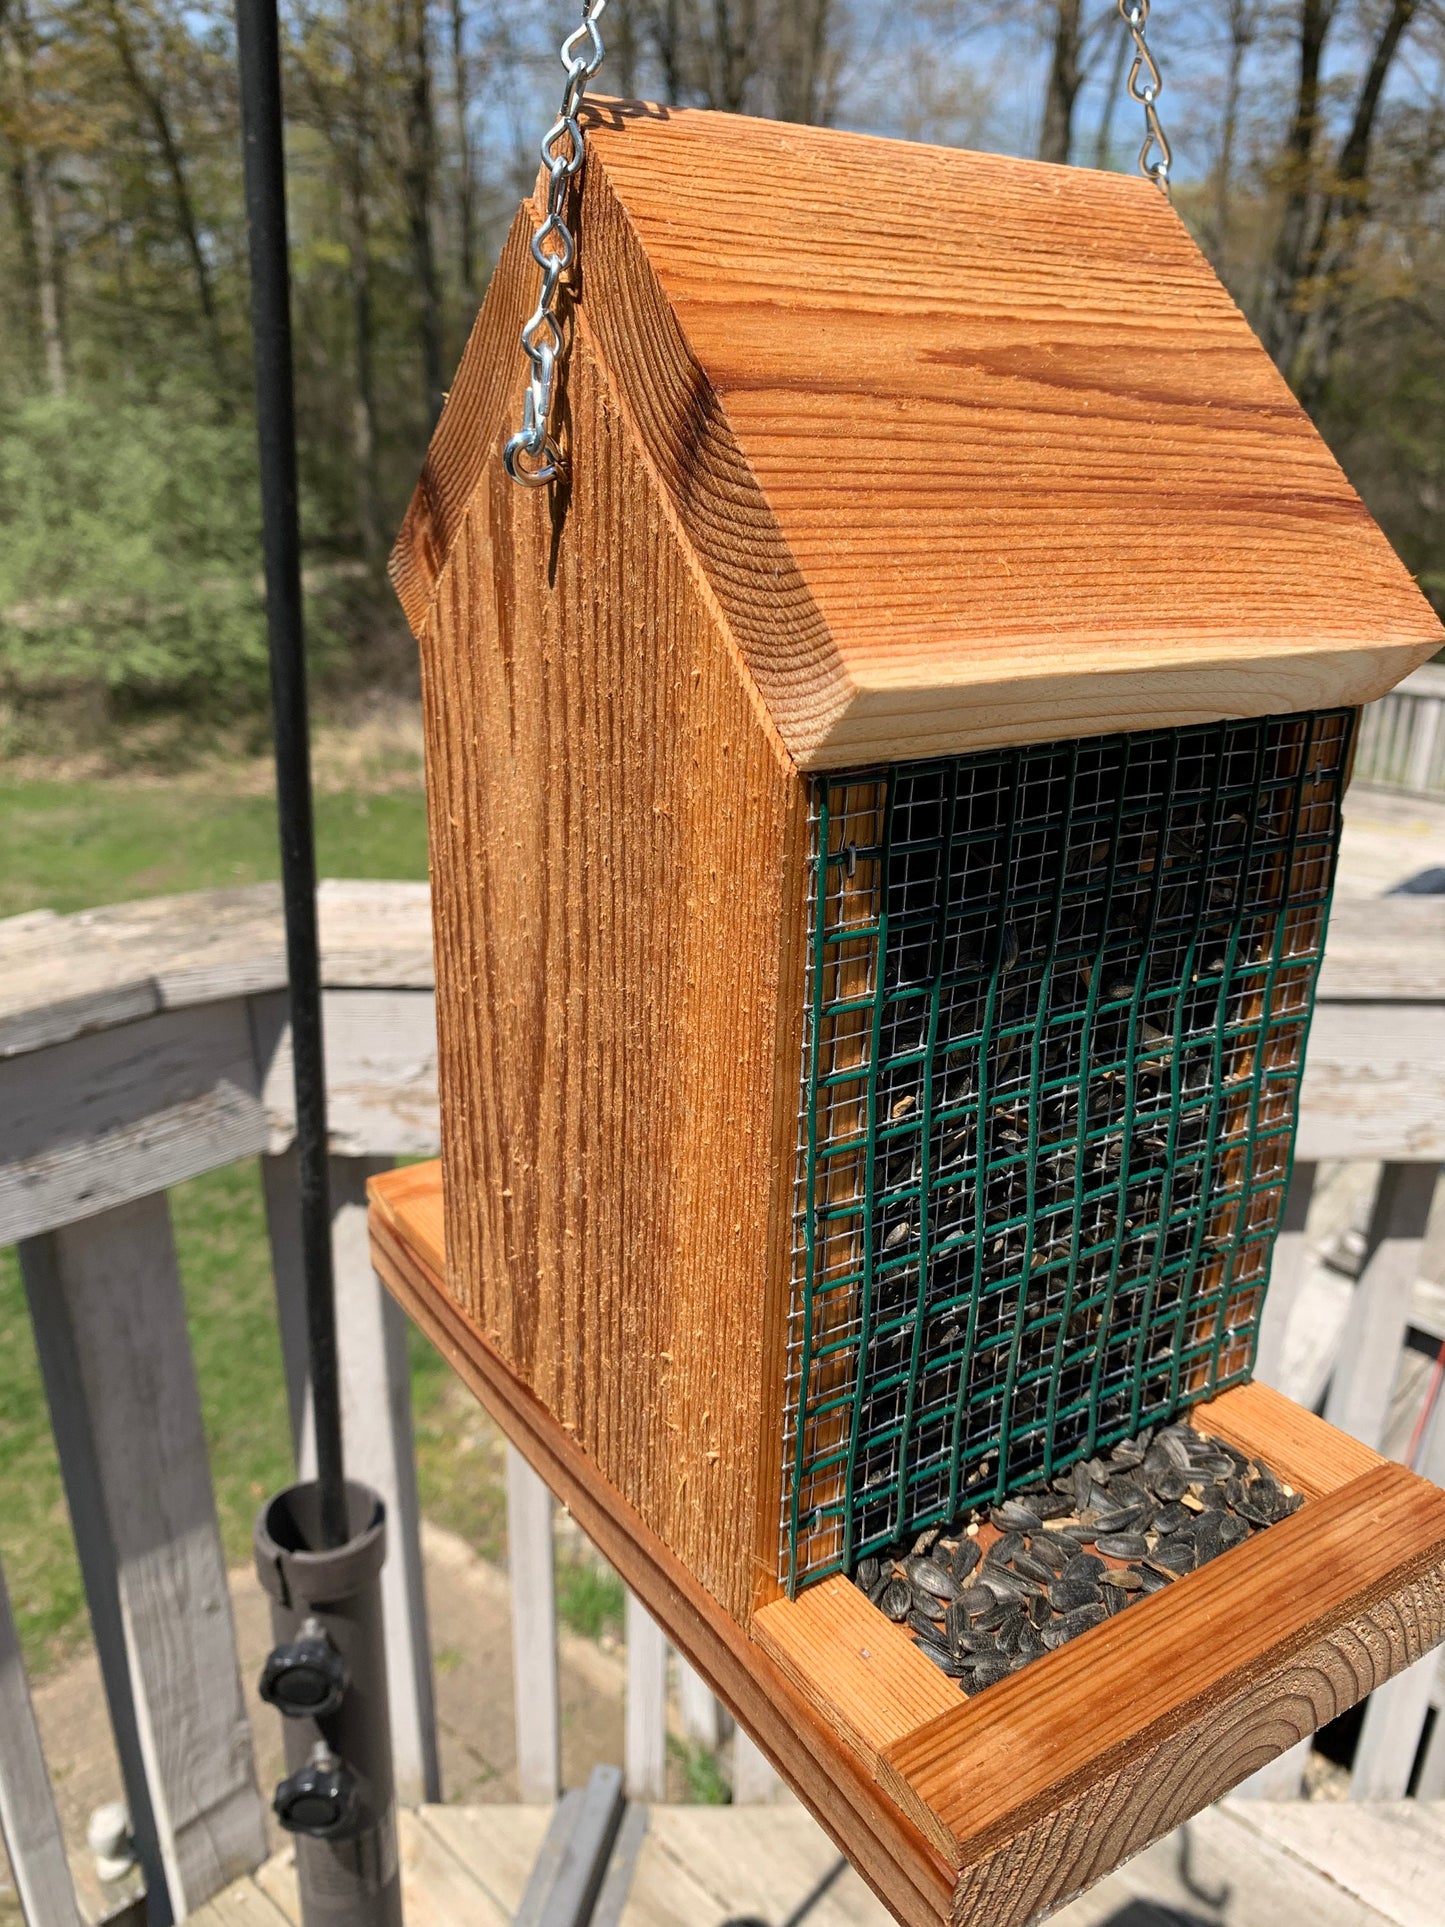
(69, 846)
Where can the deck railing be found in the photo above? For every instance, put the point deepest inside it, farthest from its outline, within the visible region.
(145, 1044)
(1402, 737)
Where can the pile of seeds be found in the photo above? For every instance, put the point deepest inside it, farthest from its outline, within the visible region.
(1013, 1582)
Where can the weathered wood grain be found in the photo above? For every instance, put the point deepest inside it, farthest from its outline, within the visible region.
(1383, 950)
(110, 1330)
(952, 483)
(1373, 1081)
(28, 1820)
(381, 1071)
(886, 1847)
(1375, 1327)
(122, 1113)
(63, 976)
(619, 1003)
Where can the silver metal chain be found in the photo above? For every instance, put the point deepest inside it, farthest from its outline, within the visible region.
(1156, 157)
(532, 456)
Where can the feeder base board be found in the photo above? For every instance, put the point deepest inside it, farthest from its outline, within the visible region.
(992, 1812)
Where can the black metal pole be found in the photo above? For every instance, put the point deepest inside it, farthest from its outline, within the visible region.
(259, 49)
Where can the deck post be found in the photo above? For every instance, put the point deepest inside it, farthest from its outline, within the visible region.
(754, 1781)
(701, 1715)
(1286, 1273)
(645, 1737)
(1395, 1713)
(377, 1433)
(28, 1819)
(1368, 1360)
(110, 1329)
(532, 1574)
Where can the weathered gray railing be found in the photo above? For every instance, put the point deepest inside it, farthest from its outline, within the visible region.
(140, 1046)
(145, 1044)
(1402, 737)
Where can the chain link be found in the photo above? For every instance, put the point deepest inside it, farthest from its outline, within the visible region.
(1156, 157)
(532, 456)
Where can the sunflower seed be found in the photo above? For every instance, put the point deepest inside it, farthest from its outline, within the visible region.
(1028, 1566)
(987, 1670)
(897, 1600)
(1076, 1622)
(927, 1577)
(923, 1624)
(866, 1577)
(1070, 1594)
(1125, 1579)
(965, 1558)
(1014, 1516)
(1002, 1550)
(1170, 1518)
(1084, 1565)
(1122, 1545)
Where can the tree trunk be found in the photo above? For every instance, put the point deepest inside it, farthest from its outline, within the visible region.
(1056, 137)
(1243, 26)
(803, 31)
(466, 162)
(1277, 321)
(35, 210)
(418, 188)
(733, 52)
(363, 407)
(152, 102)
(1341, 217)
(41, 211)
(1114, 93)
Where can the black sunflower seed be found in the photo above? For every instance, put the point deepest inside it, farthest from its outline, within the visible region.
(1084, 1565)
(1029, 1566)
(1015, 1516)
(965, 1558)
(1170, 1518)
(926, 1576)
(1173, 1556)
(988, 1671)
(1002, 1550)
(1070, 1594)
(866, 1577)
(1122, 1545)
(897, 1600)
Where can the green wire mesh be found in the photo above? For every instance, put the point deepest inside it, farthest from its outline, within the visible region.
(1057, 1001)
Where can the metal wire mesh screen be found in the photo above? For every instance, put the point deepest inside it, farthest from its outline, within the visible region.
(1056, 1012)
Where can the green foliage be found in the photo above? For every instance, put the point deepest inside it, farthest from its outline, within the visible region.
(702, 1774)
(129, 552)
(589, 1598)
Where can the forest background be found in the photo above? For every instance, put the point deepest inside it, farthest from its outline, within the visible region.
(1310, 145)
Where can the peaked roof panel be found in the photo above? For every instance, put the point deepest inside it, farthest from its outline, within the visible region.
(974, 450)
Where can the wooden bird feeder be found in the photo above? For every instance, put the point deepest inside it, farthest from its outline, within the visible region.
(883, 811)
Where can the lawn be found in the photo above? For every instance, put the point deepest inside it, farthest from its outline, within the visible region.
(71, 845)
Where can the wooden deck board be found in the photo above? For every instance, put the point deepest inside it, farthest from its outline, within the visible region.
(1286, 1864)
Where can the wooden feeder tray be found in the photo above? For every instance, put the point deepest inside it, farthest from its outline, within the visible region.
(998, 1809)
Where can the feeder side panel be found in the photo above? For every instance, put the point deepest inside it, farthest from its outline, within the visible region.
(619, 850)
